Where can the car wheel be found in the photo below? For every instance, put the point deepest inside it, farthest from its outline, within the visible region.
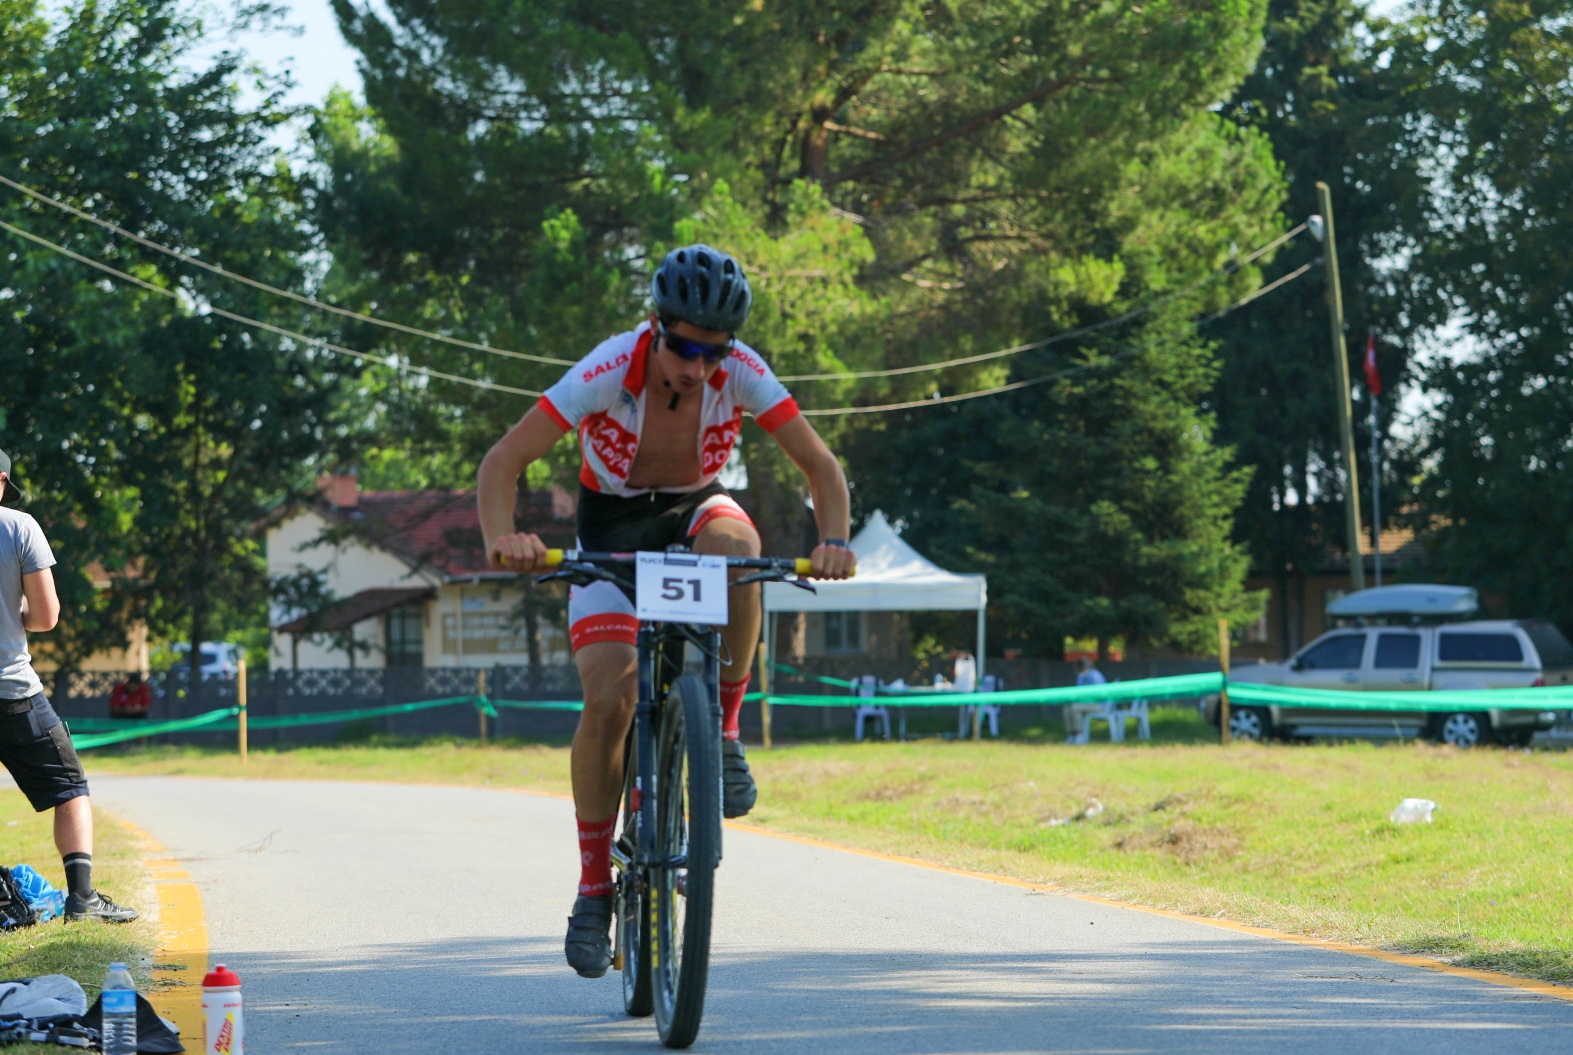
(1462, 730)
(1249, 723)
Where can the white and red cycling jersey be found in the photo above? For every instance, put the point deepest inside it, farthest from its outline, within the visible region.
(604, 397)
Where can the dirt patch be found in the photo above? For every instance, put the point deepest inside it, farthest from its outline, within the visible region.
(1186, 841)
(892, 792)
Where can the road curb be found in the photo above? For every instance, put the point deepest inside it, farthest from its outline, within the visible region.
(1530, 985)
(181, 959)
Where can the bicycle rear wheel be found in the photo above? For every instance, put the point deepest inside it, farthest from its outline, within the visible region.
(688, 822)
(633, 905)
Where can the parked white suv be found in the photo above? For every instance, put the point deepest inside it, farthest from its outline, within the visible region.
(1403, 647)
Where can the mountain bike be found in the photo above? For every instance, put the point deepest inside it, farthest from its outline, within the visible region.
(669, 846)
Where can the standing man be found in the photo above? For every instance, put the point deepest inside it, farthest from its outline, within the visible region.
(657, 409)
(34, 744)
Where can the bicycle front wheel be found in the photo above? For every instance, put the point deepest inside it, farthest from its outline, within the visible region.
(633, 904)
(688, 841)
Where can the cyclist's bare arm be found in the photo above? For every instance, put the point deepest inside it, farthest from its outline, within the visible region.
(828, 485)
(497, 491)
(40, 603)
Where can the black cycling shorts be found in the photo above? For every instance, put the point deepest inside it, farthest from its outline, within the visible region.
(649, 522)
(35, 746)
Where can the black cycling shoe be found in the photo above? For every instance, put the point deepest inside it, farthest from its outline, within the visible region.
(98, 907)
(589, 942)
(738, 793)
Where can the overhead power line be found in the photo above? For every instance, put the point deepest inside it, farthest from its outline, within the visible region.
(812, 412)
(311, 302)
(317, 342)
(1069, 335)
(1067, 371)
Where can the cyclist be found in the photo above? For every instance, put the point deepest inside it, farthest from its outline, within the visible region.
(658, 410)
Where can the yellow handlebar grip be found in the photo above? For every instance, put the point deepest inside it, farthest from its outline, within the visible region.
(554, 557)
(803, 566)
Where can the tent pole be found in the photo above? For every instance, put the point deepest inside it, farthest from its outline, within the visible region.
(980, 646)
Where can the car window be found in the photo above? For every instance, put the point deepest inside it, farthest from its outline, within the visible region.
(1555, 652)
(209, 656)
(1341, 652)
(1461, 647)
(1397, 651)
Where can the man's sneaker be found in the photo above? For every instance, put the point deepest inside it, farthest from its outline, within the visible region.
(98, 907)
(589, 942)
(737, 783)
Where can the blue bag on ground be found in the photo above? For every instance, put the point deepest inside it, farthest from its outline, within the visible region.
(45, 900)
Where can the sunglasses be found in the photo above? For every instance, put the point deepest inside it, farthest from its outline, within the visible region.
(688, 350)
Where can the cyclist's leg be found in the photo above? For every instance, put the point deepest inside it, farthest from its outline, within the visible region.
(609, 672)
(721, 527)
(602, 628)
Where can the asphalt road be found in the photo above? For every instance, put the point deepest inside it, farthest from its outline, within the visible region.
(383, 919)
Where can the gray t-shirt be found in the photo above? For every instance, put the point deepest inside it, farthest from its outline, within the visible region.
(23, 550)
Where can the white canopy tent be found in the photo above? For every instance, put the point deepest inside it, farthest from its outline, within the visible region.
(891, 577)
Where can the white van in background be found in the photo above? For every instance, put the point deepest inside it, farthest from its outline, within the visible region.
(220, 659)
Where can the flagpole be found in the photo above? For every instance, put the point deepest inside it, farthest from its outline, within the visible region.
(1376, 492)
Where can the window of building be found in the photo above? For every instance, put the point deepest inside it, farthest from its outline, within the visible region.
(406, 637)
(843, 631)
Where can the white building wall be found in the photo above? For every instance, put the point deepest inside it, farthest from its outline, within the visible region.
(485, 609)
(347, 568)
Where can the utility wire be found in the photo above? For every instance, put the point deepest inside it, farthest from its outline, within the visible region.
(1059, 338)
(814, 412)
(269, 327)
(1057, 374)
(275, 290)
(373, 320)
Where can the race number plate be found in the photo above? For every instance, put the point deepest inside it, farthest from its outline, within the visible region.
(681, 588)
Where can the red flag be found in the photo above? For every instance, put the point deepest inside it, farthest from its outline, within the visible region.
(1373, 377)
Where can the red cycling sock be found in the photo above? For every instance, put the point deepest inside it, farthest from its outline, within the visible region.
(595, 856)
(731, 707)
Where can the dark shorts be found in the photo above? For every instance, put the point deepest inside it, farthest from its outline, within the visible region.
(652, 522)
(35, 746)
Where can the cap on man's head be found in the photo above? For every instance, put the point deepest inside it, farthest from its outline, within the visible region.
(13, 494)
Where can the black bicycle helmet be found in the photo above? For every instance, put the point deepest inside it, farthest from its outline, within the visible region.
(702, 286)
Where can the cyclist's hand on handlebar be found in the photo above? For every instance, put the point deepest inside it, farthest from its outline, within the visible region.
(520, 552)
(833, 562)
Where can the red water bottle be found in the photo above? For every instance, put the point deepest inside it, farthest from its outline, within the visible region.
(225, 1030)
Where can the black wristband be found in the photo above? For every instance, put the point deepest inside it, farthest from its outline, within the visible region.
(839, 543)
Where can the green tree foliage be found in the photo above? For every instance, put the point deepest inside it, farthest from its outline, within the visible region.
(1334, 113)
(152, 431)
(1494, 81)
(912, 183)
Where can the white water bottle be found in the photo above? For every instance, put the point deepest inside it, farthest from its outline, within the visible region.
(225, 1029)
(119, 1005)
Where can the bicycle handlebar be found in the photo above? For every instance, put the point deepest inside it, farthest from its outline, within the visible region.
(795, 565)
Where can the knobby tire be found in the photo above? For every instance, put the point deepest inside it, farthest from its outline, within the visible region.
(688, 822)
(633, 908)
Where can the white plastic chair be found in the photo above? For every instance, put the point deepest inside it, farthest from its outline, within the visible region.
(865, 687)
(1117, 713)
(991, 711)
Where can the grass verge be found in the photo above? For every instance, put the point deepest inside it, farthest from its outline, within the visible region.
(1294, 838)
(81, 950)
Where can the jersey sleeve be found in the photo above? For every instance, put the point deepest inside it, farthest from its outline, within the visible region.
(759, 391)
(591, 385)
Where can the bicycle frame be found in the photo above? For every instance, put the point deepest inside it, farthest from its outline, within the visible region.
(653, 640)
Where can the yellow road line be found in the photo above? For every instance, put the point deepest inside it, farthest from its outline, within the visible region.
(1531, 985)
(182, 955)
